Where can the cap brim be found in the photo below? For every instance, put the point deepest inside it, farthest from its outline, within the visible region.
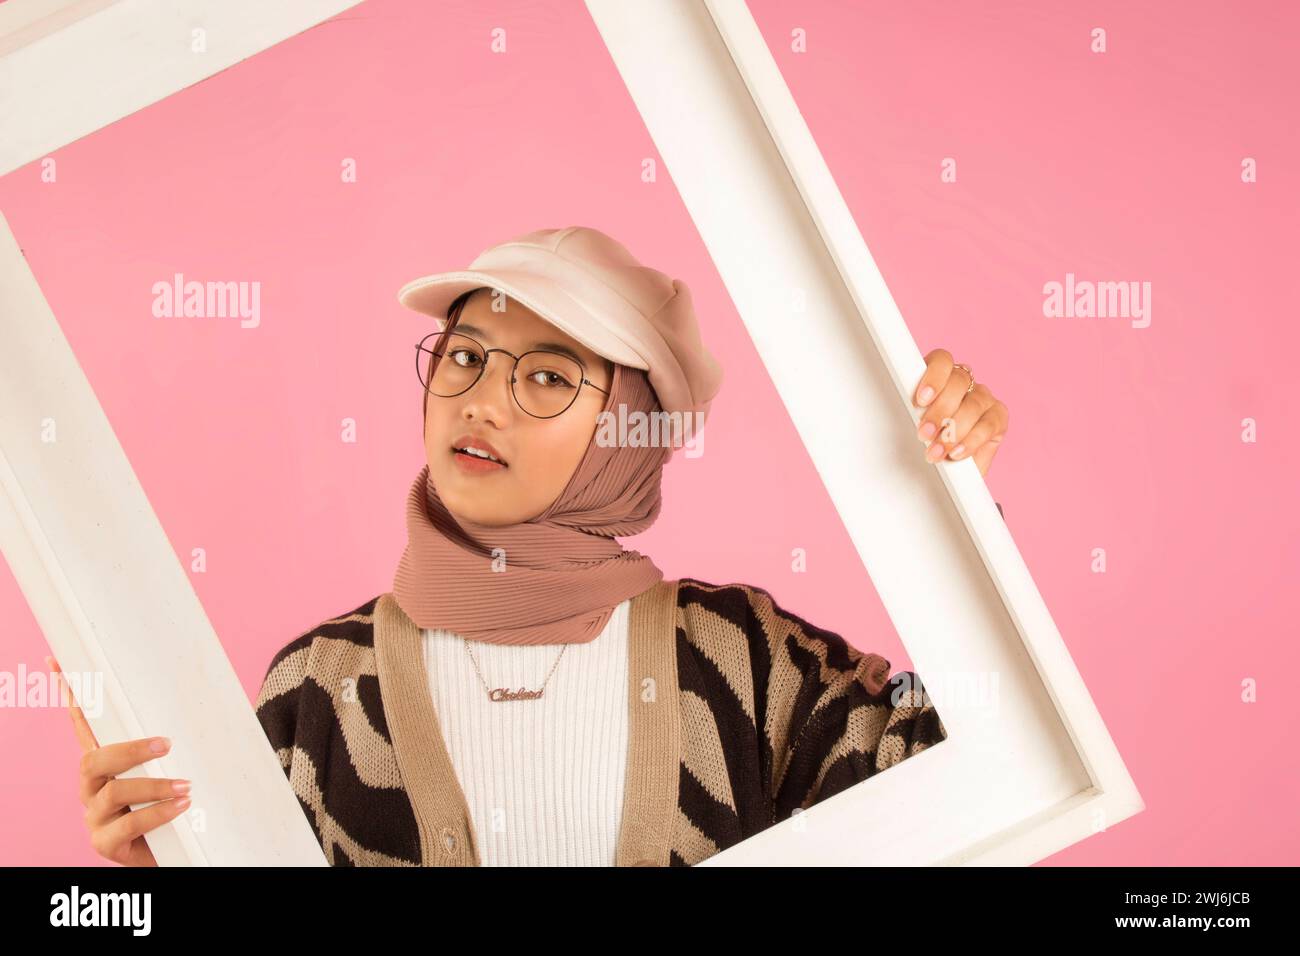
(432, 295)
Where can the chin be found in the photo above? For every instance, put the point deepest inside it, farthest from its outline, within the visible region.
(469, 506)
(469, 499)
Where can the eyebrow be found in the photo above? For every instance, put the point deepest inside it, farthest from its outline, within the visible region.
(553, 346)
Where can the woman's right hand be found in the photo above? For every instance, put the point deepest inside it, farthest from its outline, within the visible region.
(117, 831)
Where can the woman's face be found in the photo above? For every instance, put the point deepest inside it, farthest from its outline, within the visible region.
(540, 454)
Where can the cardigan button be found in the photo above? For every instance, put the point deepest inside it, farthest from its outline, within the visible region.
(449, 841)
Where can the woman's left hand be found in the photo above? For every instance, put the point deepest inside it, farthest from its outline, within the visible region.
(958, 422)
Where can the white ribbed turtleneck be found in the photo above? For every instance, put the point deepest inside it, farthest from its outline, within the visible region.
(543, 778)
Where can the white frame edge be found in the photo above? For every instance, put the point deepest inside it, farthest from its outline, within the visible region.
(769, 212)
(115, 605)
(75, 525)
(128, 54)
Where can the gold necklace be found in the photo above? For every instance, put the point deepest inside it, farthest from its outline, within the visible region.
(502, 694)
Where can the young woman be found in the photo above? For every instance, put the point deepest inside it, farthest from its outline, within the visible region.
(530, 692)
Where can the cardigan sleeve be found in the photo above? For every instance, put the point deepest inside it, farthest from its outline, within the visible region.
(277, 701)
(833, 716)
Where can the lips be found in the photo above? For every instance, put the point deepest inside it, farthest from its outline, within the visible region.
(465, 441)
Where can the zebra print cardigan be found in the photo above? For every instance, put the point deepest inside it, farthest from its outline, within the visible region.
(767, 714)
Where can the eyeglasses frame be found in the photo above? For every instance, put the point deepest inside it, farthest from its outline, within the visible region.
(487, 352)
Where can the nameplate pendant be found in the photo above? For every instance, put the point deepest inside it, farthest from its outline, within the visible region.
(502, 694)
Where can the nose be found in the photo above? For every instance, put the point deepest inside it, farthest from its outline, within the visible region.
(489, 398)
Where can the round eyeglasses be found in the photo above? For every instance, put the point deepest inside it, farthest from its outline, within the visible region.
(544, 383)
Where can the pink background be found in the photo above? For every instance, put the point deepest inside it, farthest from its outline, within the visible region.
(1123, 166)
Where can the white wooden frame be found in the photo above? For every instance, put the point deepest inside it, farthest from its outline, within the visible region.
(1023, 774)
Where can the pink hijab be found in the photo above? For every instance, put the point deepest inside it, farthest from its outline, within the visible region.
(562, 571)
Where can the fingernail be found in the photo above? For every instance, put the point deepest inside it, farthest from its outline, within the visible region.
(957, 451)
(159, 745)
(927, 393)
(181, 786)
(935, 451)
(926, 431)
(182, 803)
